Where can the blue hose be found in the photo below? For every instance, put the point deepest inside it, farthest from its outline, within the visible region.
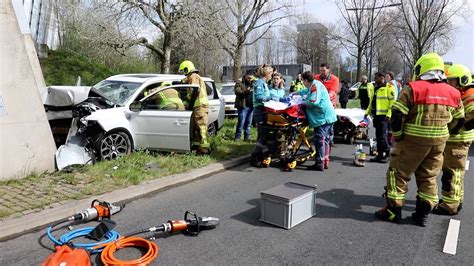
(67, 237)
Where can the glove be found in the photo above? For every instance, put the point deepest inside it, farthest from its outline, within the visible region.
(285, 100)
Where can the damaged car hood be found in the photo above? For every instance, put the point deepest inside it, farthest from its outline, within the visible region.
(62, 96)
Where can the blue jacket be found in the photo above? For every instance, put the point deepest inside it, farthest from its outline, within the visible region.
(277, 93)
(319, 109)
(261, 93)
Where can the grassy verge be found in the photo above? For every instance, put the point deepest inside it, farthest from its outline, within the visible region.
(41, 190)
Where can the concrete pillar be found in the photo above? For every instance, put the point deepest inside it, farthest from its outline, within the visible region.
(26, 142)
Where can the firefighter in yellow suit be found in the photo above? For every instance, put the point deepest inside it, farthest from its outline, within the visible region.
(419, 121)
(457, 146)
(200, 106)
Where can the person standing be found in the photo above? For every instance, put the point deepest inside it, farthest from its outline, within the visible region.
(344, 94)
(364, 90)
(457, 146)
(200, 105)
(419, 121)
(243, 102)
(390, 78)
(261, 94)
(277, 87)
(296, 84)
(380, 104)
(321, 116)
(331, 83)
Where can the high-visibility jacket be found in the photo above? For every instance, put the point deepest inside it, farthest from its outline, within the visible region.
(428, 108)
(464, 135)
(296, 85)
(195, 79)
(384, 98)
(168, 99)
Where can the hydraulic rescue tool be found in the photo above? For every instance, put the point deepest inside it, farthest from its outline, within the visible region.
(69, 253)
(191, 225)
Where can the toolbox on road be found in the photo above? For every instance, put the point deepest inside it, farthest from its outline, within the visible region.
(288, 205)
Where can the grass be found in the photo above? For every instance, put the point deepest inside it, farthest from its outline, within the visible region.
(133, 169)
(353, 103)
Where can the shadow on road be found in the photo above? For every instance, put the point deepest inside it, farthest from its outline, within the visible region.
(349, 205)
(251, 216)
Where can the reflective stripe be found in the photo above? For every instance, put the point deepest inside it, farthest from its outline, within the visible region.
(463, 136)
(426, 131)
(392, 190)
(392, 215)
(419, 115)
(459, 114)
(381, 111)
(397, 133)
(399, 106)
(469, 109)
(426, 197)
(456, 195)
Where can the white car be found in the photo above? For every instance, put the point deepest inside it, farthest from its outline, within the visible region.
(120, 114)
(228, 93)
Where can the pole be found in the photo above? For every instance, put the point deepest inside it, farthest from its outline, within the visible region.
(371, 43)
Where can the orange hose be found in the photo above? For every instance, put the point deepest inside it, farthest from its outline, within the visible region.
(108, 258)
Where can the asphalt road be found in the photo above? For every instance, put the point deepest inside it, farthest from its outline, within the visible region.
(344, 231)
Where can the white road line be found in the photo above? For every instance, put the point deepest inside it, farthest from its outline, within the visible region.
(451, 242)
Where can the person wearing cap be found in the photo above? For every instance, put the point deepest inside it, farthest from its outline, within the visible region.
(200, 106)
(457, 146)
(420, 121)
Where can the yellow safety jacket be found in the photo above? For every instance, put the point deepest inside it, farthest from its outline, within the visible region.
(384, 97)
(169, 100)
(195, 79)
(428, 107)
(464, 135)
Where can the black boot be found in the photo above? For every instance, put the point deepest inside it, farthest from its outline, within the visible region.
(420, 216)
(390, 214)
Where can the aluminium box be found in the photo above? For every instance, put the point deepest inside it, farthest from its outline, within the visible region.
(288, 205)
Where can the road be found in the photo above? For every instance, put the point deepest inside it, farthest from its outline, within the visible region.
(343, 231)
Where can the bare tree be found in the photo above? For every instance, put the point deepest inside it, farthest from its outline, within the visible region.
(235, 20)
(423, 23)
(362, 18)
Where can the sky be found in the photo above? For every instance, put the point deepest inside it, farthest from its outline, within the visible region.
(462, 51)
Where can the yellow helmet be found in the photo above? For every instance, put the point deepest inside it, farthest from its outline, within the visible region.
(460, 72)
(427, 62)
(186, 67)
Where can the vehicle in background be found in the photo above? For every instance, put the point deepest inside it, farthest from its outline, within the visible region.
(227, 91)
(121, 114)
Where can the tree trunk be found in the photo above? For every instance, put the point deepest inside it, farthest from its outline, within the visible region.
(237, 63)
(359, 64)
(166, 60)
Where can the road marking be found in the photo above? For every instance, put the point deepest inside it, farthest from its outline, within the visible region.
(451, 242)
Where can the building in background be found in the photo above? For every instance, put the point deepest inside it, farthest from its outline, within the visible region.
(289, 71)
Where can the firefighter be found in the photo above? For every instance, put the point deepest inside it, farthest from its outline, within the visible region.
(457, 146)
(380, 104)
(200, 105)
(364, 90)
(167, 99)
(419, 121)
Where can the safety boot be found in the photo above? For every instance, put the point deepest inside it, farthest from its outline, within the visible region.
(390, 214)
(443, 211)
(420, 216)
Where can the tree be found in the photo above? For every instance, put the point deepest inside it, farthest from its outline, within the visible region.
(231, 23)
(421, 23)
(362, 18)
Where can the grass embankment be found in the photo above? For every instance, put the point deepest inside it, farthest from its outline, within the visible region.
(38, 191)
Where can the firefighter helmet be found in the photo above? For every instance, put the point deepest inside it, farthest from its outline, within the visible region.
(186, 67)
(427, 62)
(460, 72)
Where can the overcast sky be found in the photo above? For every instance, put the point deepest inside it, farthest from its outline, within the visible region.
(462, 51)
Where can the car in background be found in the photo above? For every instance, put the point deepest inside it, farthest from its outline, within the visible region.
(121, 114)
(227, 91)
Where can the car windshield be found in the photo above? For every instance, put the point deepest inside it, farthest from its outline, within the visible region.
(227, 90)
(117, 91)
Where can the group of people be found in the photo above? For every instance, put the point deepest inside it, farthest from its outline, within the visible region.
(431, 119)
(319, 93)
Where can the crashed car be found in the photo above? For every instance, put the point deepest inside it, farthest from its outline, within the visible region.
(121, 114)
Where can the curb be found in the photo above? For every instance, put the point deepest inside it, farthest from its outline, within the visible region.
(11, 228)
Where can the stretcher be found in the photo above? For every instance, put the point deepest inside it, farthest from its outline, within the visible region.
(351, 126)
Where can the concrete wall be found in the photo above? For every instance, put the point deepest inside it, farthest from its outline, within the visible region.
(26, 142)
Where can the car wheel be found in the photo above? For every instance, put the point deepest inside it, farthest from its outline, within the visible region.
(112, 145)
(212, 129)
